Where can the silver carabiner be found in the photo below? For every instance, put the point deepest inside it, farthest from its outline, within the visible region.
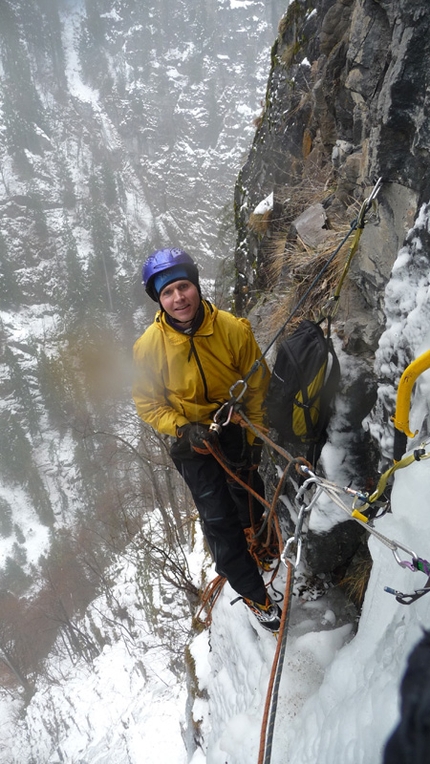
(365, 207)
(375, 191)
(217, 416)
(242, 392)
(305, 485)
(404, 563)
(292, 547)
(294, 544)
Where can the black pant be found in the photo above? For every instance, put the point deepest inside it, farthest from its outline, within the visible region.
(223, 507)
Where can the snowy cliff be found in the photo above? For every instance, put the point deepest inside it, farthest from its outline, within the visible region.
(122, 128)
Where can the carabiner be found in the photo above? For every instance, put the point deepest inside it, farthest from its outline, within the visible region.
(305, 470)
(360, 495)
(293, 546)
(374, 193)
(365, 207)
(407, 599)
(404, 563)
(242, 392)
(217, 414)
(330, 307)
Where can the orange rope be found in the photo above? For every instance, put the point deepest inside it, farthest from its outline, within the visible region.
(275, 674)
(213, 590)
(265, 742)
(209, 598)
(271, 506)
(216, 453)
(239, 417)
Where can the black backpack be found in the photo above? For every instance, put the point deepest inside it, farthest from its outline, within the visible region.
(304, 381)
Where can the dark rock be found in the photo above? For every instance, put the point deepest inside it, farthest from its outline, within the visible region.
(326, 552)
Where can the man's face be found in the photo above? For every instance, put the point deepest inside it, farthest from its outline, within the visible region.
(180, 300)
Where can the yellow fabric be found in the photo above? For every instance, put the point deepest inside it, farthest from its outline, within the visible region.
(299, 420)
(169, 383)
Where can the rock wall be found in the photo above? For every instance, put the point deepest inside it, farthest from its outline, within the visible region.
(346, 104)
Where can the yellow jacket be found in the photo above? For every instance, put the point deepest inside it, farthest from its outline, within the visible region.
(181, 378)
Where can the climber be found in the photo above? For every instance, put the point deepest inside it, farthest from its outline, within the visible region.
(185, 364)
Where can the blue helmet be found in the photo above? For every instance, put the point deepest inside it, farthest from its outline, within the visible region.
(165, 266)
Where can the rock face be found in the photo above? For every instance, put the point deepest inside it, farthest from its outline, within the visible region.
(346, 104)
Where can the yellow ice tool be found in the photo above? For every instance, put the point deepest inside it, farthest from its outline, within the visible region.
(404, 390)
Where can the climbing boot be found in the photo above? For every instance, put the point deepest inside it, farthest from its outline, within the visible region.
(268, 615)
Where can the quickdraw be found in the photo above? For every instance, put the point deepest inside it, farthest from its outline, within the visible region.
(367, 500)
(408, 599)
(415, 564)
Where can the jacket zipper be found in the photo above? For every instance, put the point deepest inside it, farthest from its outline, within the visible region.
(193, 352)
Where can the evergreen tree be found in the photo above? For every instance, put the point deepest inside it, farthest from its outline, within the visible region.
(13, 577)
(22, 108)
(74, 281)
(22, 392)
(102, 265)
(9, 288)
(15, 449)
(17, 465)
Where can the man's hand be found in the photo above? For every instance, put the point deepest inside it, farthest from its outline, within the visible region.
(194, 436)
(200, 435)
(184, 432)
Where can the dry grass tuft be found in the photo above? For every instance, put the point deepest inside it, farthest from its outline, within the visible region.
(297, 198)
(289, 53)
(354, 583)
(294, 266)
(260, 223)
